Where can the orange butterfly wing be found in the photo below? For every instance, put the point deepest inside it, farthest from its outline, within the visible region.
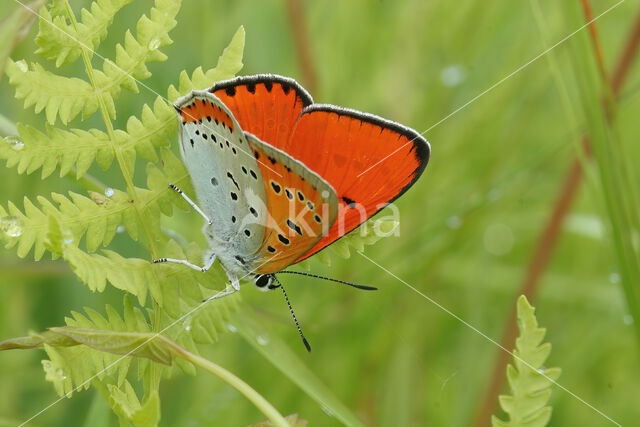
(368, 160)
(265, 105)
(301, 207)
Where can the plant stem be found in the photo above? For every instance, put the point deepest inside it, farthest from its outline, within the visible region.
(256, 398)
(124, 168)
(7, 127)
(302, 45)
(550, 235)
(154, 371)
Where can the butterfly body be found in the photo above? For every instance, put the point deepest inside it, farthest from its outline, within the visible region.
(279, 178)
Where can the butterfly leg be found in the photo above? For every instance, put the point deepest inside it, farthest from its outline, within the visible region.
(191, 202)
(180, 261)
(206, 267)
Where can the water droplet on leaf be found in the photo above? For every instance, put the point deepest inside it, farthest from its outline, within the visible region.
(453, 75)
(11, 226)
(154, 44)
(232, 328)
(327, 411)
(454, 222)
(14, 142)
(262, 339)
(22, 65)
(109, 192)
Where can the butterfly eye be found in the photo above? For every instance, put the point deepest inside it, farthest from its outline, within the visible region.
(263, 280)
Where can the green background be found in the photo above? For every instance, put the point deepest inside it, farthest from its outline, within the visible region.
(468, 230)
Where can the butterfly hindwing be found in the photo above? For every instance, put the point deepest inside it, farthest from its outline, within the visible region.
(301, 206)
(224, 172)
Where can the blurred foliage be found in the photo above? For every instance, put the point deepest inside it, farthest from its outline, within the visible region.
(467, 228)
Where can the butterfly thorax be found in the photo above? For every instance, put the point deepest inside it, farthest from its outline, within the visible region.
(225, 251)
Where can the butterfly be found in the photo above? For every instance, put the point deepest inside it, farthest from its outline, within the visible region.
(279, 178)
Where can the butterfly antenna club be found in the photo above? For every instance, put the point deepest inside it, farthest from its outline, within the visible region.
(293, 315)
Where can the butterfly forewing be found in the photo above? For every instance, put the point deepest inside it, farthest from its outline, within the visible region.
(369, 161)
(301, 206)
(225, 175)
(265, 105)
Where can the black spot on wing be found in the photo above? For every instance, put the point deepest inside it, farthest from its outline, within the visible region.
(350, 202)
(283, 239)
(294, 227)
(230, 176)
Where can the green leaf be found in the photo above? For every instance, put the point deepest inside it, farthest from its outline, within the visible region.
(125, 403)
(64, 149)
(529, 381)
(58, 40)
(65, 97)
(286, 361)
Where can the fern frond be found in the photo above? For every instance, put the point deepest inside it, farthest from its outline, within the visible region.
(229, 64)
(125, 403)
(59, 96)
(133, 275)
(78, 216)
(66, 97)
(79, 148)
(73, 367)
(58, 40)
(152, 33)
(58, 148)
(367, 234)
(529, 381)
(97, 217)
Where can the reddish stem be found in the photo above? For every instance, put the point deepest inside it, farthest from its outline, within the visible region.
(302, 45)
(553, 228)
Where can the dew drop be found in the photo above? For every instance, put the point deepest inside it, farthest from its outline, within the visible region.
(614, 278)
(453, 75)
(67, 237)
(493, 195)
(627, 319)
(327, 411)
(498, 239)
(14, 142)
(109, 192)
(262, 339)
(232, 328)
(11, 226)
(542, 370)
(22, 65)
(154, 44)
(120, 229)
(454, 222)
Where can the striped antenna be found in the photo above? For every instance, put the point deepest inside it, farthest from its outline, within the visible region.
(293, 315)
(355, 285)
